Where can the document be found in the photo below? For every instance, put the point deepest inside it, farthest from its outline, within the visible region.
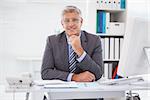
(122, 81)
(147, 51)
(56, 84)
(89, 85)
(62, 85)
(47, 82)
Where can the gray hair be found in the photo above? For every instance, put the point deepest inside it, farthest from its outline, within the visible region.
(71, 9)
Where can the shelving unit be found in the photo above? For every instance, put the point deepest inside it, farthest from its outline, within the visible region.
(110, 26)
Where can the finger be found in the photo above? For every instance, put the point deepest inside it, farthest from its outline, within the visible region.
(72, 36)
(89, 78)
(92, 76)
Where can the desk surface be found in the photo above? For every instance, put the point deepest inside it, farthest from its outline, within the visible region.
(73, 93)
(101, 91)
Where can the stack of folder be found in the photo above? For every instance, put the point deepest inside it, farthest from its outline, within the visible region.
(111, 4)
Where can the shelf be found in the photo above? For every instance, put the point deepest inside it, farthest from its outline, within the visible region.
(110, 60)
(110, 35)
(112, 10)
(110, 27)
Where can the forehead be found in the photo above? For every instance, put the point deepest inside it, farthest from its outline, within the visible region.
(71, 15)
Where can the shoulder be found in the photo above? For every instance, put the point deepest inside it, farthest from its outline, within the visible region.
(91, 36)
(56, 36)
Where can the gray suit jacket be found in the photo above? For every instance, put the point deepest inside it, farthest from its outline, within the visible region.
(55, 63)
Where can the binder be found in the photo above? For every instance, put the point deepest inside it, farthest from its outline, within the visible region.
(112, 48)
(109, 4)
(106, 70)
(104, 22)
(121, 44)
(123, 4)
(110, 67)
(98, 3)
(107, 22)
(101, 22)
(104, 4)
(101, 3)
(116, 4)
(106, 48)
(97, 22)
(103, 47)
(116, 48)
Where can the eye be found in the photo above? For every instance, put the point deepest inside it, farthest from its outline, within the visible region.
(66, 21)
(75, 20)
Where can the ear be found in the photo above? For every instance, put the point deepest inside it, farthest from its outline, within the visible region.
(81, 20)
(61, 22)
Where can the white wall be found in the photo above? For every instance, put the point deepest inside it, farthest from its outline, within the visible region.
(149, 20)
(1, 41)
(139, 8)
(25, 26)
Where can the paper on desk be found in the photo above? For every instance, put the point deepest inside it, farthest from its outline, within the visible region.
(89, 85)
(122, 81)
(47, 82)
(55, 84)
(62, 85)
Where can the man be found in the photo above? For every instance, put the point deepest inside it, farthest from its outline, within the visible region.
(72, 55)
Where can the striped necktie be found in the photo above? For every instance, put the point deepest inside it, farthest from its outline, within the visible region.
(72, 60)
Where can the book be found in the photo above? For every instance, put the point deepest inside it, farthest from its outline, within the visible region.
(55, 84)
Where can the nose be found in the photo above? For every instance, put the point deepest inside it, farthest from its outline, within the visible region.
(71, 24)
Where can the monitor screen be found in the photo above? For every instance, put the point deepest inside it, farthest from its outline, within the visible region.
(147, 52)
(133, 60)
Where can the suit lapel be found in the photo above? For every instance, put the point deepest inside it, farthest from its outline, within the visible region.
(63, 46)
(83, 40)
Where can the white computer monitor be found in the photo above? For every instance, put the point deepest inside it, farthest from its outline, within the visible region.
(133, 60)
(147, 52)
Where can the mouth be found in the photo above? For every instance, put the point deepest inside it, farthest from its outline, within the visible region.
(72, 29)
(71, 33)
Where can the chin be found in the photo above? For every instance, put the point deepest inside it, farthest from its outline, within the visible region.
(73, 33)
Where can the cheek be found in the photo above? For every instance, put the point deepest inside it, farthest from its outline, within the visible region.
(79, 26)
(63, 25)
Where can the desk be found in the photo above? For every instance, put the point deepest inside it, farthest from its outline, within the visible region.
(73, 93)
(102, 91)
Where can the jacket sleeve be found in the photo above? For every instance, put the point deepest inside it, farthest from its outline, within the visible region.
(94, 62)
(48, 70)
